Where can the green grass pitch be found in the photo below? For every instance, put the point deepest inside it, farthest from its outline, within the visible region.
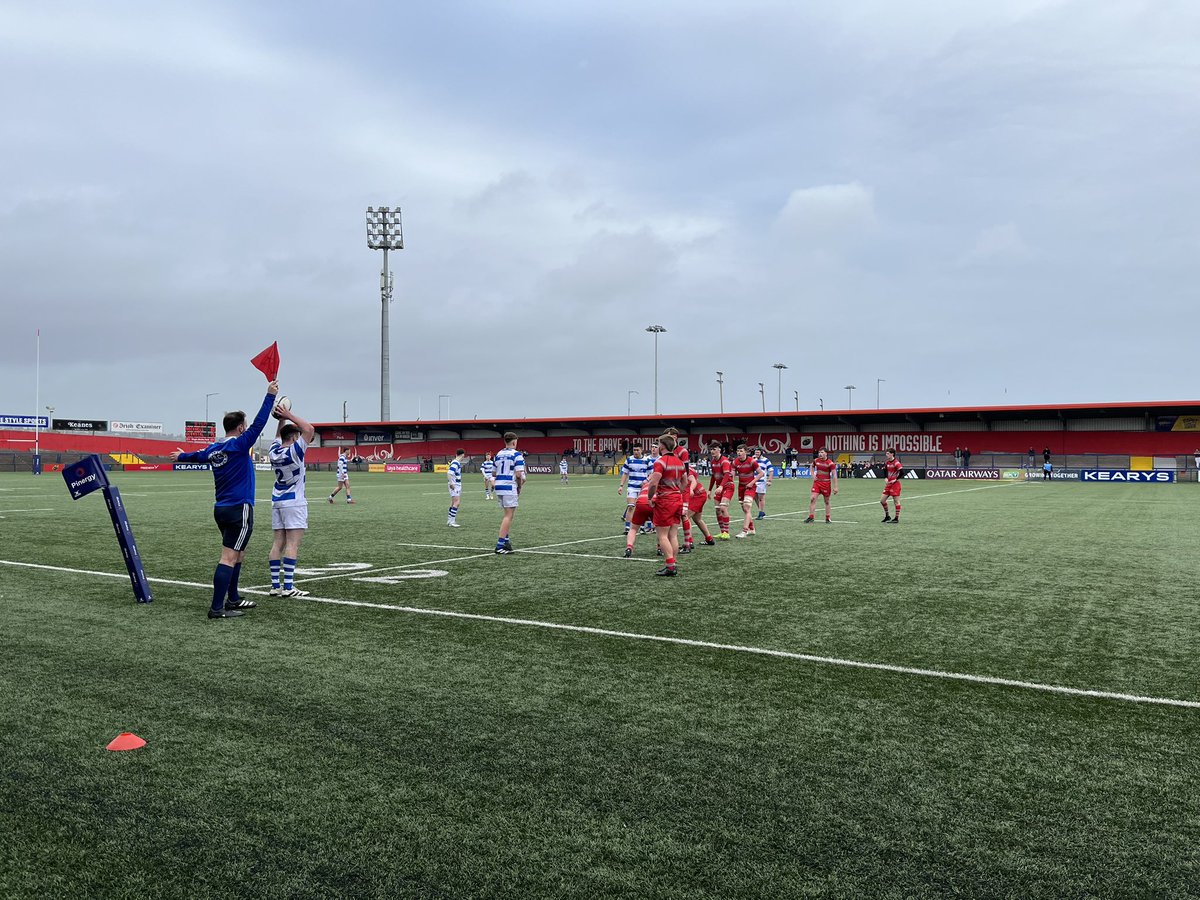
(325, 749)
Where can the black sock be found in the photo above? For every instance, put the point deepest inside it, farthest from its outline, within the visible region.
(221, 580)
(233, 583)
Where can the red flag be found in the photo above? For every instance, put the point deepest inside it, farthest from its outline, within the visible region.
(267, 362)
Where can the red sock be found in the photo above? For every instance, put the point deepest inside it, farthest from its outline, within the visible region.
(687, 530)
(671, 563)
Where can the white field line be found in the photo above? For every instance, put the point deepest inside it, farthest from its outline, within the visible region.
(986, 487)
(44, 509)
(427, 563)
(535, 550)
(687, 642)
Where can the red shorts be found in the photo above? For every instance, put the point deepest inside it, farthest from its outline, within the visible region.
(642, 512)
(667, 511)
(824, 488)
(696, 502)
(892, 490)
(722, 494)
(746, 490)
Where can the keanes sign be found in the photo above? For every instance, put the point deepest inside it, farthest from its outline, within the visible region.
(80, 425)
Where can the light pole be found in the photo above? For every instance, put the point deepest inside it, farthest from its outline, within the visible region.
(206, 396)
(779, 399)
(721, 388)
(821, 400)
(763, 396)
(850, 389)
(629, 402)
(442, 397)
(797, 393)
(656, 330)
(384, 232)
(344, 402)
(878, 382)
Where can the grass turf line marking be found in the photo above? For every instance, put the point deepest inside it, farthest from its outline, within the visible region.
(986, 487)
(534, 550)
(688, 642)
(46, 509)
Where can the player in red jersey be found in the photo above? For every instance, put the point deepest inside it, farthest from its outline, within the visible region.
(745, 467)
(825, 481)
(665, 487)
(720, 487)
(682, 452)
(892, 487)
(693, 512)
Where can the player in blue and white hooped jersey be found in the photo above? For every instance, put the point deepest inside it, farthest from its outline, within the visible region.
(488, 468)
(289, 506)
(510, 478)
(454, 484)
(633, 475)
(766, 477)
(651, 459)
(343, 473)
(562, 470)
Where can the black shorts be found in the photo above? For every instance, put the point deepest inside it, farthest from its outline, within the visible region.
(236, 524)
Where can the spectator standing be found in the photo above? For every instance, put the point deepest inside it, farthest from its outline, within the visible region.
(966, 457)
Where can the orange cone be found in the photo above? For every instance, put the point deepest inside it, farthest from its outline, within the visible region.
(126, 740)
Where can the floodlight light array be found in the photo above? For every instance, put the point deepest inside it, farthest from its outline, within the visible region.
(384, 231)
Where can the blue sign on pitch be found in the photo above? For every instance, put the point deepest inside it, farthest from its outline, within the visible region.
(88, 475)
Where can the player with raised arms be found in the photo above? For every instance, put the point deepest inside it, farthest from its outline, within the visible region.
(289, 506)
(233, 477)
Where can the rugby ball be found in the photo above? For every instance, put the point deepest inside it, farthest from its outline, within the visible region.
(282, 403)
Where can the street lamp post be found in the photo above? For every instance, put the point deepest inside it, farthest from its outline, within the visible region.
(850, 389)
(629, 402)
(878, 382)
(384, 232)
(797, 393)
(344, 402)
(721, 388)
(779, 367)
(656, 330)
(763, 396)
(206, 396)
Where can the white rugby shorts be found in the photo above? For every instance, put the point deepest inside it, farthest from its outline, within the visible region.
(507, 501)
(455, 490)
(289, 518)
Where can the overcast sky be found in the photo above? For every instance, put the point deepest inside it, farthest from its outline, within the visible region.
(980, 203)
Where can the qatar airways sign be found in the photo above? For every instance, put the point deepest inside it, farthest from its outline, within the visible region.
(905, 442)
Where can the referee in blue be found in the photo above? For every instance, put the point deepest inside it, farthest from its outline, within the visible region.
(233, 471)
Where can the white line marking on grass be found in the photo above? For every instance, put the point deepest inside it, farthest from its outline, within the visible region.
(586, 555)
(986, 487)
(440, 546)
(46, 509)
(687, 642)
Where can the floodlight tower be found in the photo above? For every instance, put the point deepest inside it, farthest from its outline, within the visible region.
(384, 232)
(779, 398)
